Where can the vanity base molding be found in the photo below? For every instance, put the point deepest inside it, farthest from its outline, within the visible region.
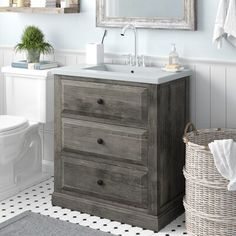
(118, 149)
(121, 214)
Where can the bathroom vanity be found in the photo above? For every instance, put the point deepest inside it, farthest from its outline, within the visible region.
(118, 142)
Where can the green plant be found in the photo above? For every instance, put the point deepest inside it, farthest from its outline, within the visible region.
(34, 43)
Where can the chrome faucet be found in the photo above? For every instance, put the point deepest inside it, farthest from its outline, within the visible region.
(132, 27)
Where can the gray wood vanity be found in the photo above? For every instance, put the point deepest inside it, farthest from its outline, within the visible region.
(118, 147)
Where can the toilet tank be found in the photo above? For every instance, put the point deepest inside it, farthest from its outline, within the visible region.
(29, 93)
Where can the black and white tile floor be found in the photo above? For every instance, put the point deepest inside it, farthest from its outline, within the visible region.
(38, 199)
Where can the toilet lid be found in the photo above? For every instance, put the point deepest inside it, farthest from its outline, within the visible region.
(8, 123)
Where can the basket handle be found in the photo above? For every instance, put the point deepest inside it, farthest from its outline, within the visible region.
(189, 126)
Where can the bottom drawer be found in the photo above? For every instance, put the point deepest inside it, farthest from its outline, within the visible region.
(123, 185)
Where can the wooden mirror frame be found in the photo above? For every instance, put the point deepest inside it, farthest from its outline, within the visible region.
(187, 23)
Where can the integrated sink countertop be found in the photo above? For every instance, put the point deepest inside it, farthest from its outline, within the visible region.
(150, 75)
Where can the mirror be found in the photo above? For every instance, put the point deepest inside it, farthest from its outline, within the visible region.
(140, 8)
(163, 14)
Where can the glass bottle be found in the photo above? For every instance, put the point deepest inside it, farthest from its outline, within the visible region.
(173, 56)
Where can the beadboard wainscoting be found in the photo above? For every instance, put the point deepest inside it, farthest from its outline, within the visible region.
(213, 89)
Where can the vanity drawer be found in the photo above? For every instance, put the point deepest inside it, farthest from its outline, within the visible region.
(107, 101)
(123, 143)
(122, 185)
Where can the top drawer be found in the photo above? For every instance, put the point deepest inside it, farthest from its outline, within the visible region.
(108, 101)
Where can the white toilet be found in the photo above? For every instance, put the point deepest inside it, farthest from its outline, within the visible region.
(29, 103)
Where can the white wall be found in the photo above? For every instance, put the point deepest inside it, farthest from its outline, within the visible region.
(74, 31)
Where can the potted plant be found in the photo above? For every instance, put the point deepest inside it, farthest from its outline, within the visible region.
(33, 42)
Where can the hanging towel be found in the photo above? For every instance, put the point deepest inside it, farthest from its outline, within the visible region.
(230, 23)
(224, 153)
(219, 32)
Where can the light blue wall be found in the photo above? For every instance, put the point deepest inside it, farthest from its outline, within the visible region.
(74, 31)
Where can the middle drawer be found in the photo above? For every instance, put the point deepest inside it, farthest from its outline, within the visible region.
(119, 142)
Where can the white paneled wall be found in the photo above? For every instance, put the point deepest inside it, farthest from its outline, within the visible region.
(231, 96)
(1, 86)
(203, 88)
(213, 89)
(1, 96)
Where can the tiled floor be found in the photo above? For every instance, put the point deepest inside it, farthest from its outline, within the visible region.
(38, 199)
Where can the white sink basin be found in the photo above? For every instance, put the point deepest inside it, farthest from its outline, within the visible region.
(136, 71)
(150, 75)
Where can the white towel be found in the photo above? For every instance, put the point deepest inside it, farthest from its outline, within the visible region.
(4, 3)
(224, 153)
(230, 23)
(219, 32)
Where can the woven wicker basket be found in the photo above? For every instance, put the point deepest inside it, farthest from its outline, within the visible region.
(27, 3)
(200, 224)
(210, 207)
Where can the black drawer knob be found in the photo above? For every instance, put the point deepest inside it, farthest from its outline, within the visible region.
(100, 101)
(100, 141)
(100, 182)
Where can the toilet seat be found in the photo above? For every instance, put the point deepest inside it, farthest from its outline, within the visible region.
(9, 124)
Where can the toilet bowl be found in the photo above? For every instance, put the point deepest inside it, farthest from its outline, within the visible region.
(20, 155)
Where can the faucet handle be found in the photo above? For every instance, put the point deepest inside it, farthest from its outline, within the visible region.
(128, 59)
(132, 60)
(142, 61)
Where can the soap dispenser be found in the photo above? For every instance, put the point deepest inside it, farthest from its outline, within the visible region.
(173, 56)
